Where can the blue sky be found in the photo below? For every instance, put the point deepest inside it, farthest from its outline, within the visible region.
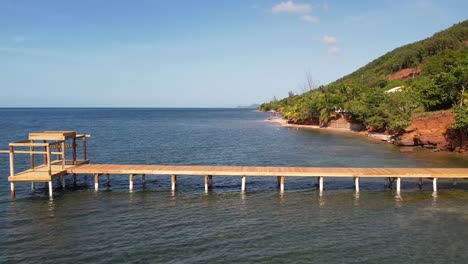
(214, 53)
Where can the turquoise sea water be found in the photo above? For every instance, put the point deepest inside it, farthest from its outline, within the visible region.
(154, 225)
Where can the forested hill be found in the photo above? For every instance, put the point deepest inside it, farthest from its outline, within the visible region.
(428, 75)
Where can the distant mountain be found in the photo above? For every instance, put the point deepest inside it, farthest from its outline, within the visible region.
(252, 106)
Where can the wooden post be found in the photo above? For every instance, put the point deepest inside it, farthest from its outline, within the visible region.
(57, 149)
(12, 160)
(173, 182)
(356, 184)
(63, 154)
(420, 183)
(96, 182)
(107, 179)
(84, 149)
(12, 188)
(320, 184)
(63, 182)
(278, 180)
(50, 189)
(398, 185)
(130, 184)
(243, 184)
(74, 151)
(281, 183)
(49, 163)
(33, 186)
(434, 184)
(45, 155)
(31, 155)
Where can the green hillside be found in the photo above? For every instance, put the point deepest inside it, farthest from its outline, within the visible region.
(435, 77)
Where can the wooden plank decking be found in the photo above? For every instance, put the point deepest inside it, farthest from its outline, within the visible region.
(269, 171)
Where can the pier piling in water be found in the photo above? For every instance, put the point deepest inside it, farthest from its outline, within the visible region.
(320, 184)
(173, 182)
(356, 184)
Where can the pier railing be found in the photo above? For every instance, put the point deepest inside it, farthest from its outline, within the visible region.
(47, 147)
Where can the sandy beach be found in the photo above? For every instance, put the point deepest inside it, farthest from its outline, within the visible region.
(374, 136)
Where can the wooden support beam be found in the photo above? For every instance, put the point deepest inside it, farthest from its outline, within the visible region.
(130, 182)
(356, 184)
(243, 184)
(434, 184)
(281, 183)
(50, 189)
(278, 179)
(173, 182)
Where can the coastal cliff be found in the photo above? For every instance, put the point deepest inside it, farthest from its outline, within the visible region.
(433, 131)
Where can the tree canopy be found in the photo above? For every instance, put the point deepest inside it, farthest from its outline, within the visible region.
(438, 81)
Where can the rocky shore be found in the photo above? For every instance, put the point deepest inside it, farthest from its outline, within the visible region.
(430, 131)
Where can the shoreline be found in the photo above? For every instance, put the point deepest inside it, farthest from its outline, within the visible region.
(375, 137)
(372, 136)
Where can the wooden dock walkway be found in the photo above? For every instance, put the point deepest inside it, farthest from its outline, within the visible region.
(61, 167)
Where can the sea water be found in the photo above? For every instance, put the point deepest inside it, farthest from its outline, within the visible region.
(262, 225)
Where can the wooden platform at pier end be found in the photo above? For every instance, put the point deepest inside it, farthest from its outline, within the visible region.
(41, 173)
(269, 171)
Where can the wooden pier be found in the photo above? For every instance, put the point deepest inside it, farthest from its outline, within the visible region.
(55, 143)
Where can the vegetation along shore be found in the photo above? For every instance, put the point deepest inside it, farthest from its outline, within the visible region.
(415, 95)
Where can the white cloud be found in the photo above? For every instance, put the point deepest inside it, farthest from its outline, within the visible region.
(291, 7)
(328, 40)
(309, 18)
(334, 51)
